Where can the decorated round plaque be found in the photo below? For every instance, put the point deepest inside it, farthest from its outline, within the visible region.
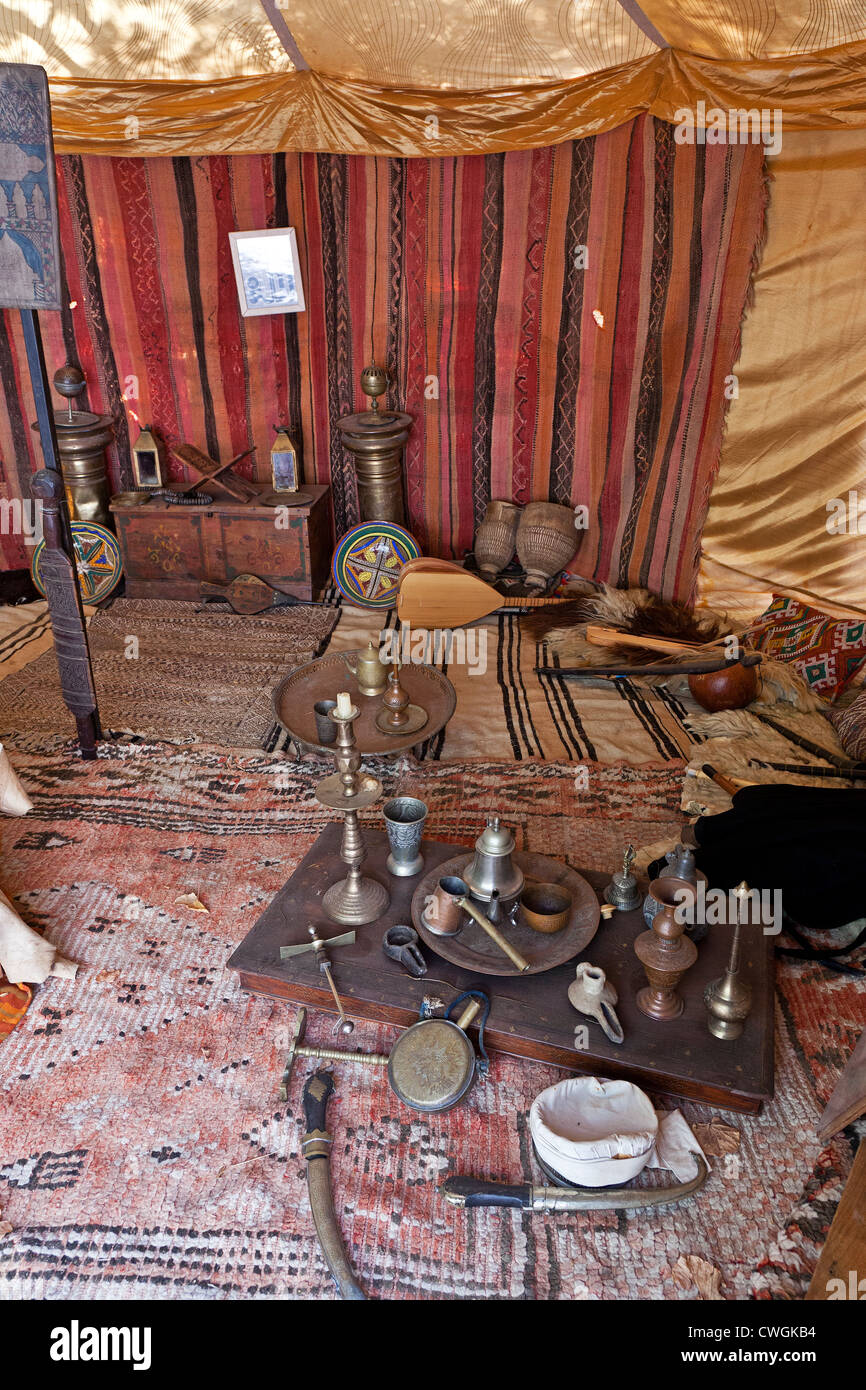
(368, 561)
(97, 561)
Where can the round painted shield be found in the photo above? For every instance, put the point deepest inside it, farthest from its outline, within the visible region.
(368, 561)
(97, 560)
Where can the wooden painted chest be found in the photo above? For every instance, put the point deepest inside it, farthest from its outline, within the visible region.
(168, 549)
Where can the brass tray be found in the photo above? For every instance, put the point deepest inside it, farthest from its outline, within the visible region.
(321, 679)
(472, 948)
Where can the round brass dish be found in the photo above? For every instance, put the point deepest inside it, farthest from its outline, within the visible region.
(416, 718)
(283, 499)
(473, 949)
(295, 696)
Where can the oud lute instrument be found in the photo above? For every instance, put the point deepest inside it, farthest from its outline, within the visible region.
(449, 597)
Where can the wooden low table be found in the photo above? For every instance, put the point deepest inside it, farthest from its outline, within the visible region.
(529, 1016)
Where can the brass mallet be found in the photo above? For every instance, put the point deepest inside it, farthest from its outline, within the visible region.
(329, 1054)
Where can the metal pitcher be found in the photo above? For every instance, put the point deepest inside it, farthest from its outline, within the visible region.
(493, 873)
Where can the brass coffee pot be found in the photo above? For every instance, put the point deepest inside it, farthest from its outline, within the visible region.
(492, 874)
(368, 670)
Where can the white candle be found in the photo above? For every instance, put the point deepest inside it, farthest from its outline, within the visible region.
(344, 705)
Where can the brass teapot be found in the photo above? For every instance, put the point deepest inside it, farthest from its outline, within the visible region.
(368, 670)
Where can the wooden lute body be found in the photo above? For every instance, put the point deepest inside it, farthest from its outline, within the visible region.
(438, 594)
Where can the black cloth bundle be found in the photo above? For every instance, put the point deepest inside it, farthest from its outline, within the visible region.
(808, 842)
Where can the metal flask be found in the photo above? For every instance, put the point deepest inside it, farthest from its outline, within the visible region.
(493, 874)
(431, 1067)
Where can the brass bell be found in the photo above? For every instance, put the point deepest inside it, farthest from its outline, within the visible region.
(492, 873)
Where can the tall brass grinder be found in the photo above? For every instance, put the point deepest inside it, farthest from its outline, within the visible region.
(375, 438)
(81, 441)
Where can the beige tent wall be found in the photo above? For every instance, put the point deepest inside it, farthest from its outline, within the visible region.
(796, 435)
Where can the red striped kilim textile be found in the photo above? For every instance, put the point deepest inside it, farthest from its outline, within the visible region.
(560, 323)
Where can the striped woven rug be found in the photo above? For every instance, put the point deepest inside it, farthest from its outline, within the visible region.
(559, 323)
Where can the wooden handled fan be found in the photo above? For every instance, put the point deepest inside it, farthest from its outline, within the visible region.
(448, 596)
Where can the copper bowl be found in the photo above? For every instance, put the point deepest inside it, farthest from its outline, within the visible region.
(546, 906)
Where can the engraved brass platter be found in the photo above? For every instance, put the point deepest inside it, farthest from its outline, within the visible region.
(323, 678)
(473, 949)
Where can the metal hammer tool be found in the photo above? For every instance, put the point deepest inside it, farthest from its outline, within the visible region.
(329, 1054)
(319, 945)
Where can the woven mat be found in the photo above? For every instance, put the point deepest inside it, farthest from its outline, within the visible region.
(145, 1153)
(164, 670)
(505, 711)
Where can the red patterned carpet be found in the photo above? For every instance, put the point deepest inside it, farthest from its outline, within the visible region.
(144, 1152)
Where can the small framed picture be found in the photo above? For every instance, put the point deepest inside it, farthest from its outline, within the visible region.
(267, 271)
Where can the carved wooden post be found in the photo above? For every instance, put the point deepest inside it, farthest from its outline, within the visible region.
(57, 572)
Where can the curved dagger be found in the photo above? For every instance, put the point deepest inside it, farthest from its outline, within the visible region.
(316, 1148)
(477, 1192)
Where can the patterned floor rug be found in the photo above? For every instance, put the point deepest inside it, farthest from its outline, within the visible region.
(143, 1152)
(164, 670)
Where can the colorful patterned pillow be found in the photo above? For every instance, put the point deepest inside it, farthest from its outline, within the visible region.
(850, 725)
(828, 652)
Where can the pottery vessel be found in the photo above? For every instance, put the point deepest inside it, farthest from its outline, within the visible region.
(496, 538)
(733, 687)
(546, 541)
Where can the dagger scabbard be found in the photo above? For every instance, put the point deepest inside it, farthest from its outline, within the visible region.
(316, 1148)
(477, 1192)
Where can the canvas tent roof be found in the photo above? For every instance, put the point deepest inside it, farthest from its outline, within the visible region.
(365, 76)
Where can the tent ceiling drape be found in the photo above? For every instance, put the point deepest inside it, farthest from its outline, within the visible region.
(423, 77)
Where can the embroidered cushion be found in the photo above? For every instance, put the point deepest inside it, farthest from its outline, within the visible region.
(827, 652)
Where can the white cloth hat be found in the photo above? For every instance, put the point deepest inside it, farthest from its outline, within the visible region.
(593, 1132)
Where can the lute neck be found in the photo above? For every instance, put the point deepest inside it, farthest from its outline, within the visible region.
(532, 602)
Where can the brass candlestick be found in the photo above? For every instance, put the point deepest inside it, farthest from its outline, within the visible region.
(355, 899)
(665, 954)
(729, 999)
(398, 715)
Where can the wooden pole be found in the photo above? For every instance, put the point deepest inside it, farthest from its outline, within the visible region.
(58, 570)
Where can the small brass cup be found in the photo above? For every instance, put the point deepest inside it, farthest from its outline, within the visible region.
(546, 907)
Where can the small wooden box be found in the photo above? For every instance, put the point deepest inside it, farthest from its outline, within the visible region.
(168, 549)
